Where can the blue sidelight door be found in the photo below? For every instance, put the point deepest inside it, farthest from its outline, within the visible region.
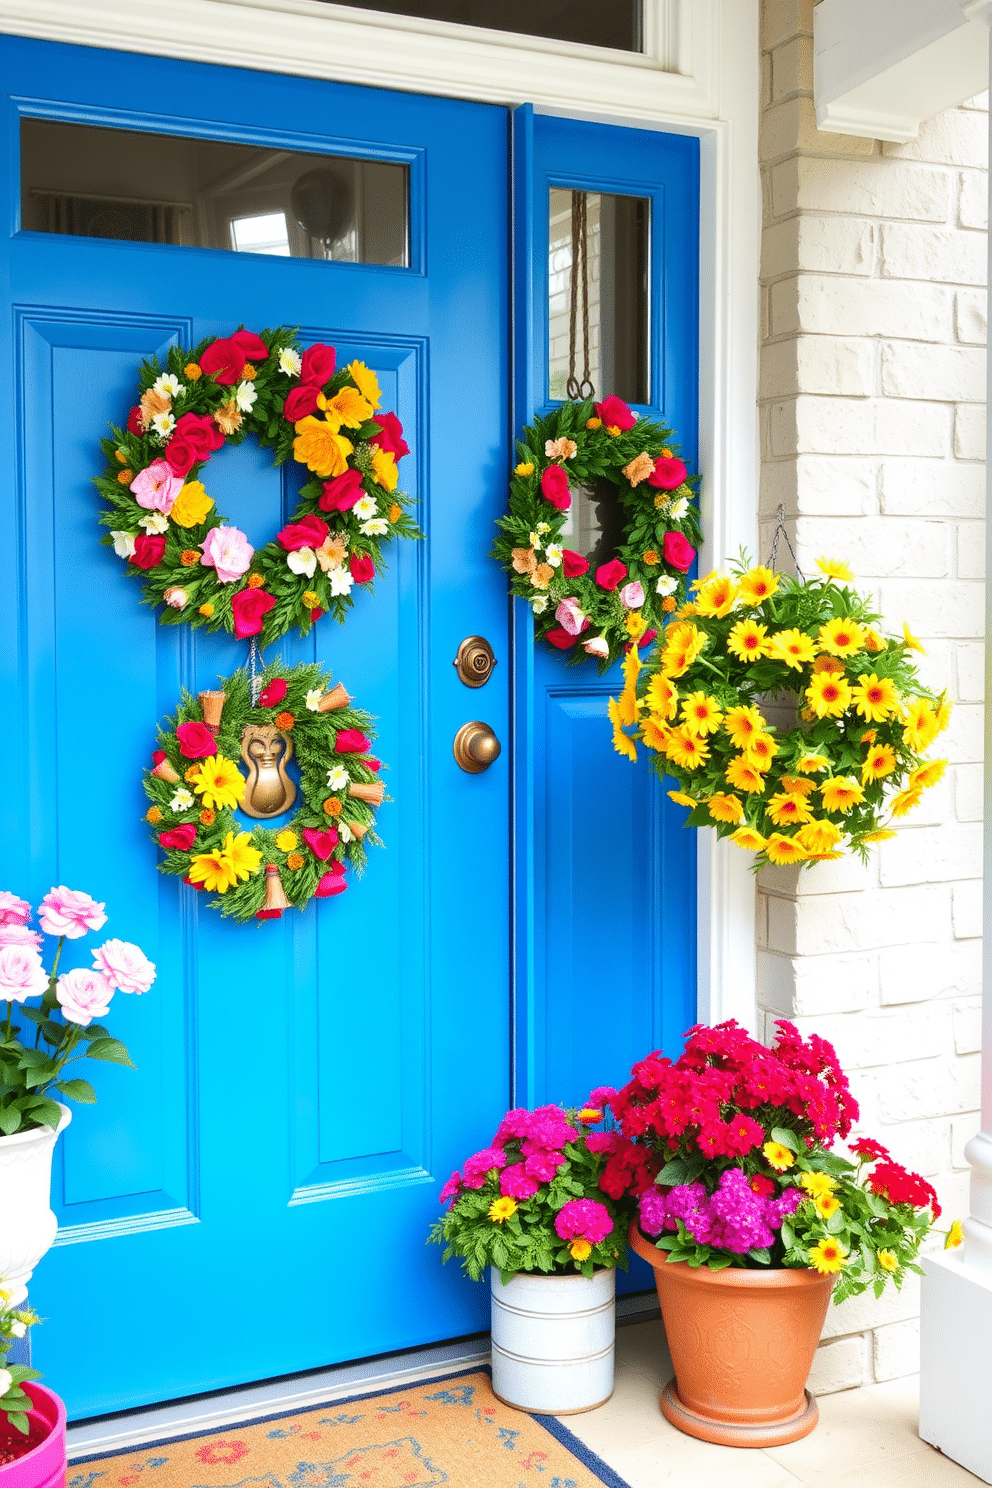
(605, 875)
(254, 1200)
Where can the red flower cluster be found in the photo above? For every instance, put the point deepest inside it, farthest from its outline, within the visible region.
(726, 1092)
(629, 1168)
(899, 1186)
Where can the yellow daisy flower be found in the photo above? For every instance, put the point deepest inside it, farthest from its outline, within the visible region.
(743, 776)
(347, 407)
(243, 858)
(701, 714)
(943, 712)
(888, 1260)
(826, 1204)
(910, 641)
(905, 801)
(286, 840)
(873, 641)
(366, 381)
(875, 697)
(819, 837)
(681, 799)
(219, 782)
(955, 1235)
(725, 808)
(782, 849)
(834, 569)
(748, 640)
(758, 584)
(716, 596)
(525, 469)
(881, 834)
(812, 764)
(621, 743)
(778, 1156)
(501, 1209)
(662, 697)
(748, 838)
(788, 811)
(794, 647)
(879, 762)
(686, 750)
(761, 751)
(927, 774)
(920, 726)
(841, 637)
(828, 1257)
(797, 787)
(828, 695)
(817, 1184)
(214, 870)
(840, 793)
(743, 724)
(655, 734)
(580, 1250)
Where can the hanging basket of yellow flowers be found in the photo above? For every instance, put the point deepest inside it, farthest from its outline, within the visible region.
(789, 721)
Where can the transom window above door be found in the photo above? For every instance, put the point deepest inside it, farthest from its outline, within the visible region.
(200, 193)
(618, 25)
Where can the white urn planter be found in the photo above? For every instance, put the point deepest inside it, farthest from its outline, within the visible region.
(552, 1341)
(27, 1224)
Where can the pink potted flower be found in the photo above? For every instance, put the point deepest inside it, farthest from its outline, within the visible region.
(32, 1418)
(49, 1018)
(546, 1206)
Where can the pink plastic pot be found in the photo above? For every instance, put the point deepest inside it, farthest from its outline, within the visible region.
(44, 1465)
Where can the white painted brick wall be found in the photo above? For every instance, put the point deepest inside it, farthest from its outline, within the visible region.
(873, 427)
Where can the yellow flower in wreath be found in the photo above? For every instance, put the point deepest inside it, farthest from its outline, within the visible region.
(243, 858)
(214, 870)
(191, 506)
(219, 782)
(320, 449)
(366, 381)
(286, 840)
(384, 468)
(347, 407)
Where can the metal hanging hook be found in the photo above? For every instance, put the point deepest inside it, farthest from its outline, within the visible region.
(780, 532)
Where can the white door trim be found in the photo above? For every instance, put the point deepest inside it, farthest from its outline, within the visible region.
(701, 76)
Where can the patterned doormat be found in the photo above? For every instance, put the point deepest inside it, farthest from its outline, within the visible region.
(451, 1430)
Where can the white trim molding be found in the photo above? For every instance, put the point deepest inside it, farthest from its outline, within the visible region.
(699, 74)
(881, 69)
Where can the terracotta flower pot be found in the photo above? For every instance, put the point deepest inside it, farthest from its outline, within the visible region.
(43, 1466)
(742, 1343)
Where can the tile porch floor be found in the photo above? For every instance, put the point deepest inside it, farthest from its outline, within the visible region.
(866, 1438)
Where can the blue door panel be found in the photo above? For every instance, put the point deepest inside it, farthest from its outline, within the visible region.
(302, 1088)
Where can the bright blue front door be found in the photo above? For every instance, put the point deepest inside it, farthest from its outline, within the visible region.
(254, 1200)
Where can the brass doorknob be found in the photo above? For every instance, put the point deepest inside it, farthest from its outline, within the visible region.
(475, 747)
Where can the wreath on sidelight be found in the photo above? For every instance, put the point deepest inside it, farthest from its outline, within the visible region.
(599, 613)
(789, 721)
(195, 782)
(165, 526)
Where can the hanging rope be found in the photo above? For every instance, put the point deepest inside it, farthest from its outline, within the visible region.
(780, 532)
(254, 664)
(579, 278)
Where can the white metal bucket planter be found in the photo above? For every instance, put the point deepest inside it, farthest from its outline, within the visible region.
(27, 1224)
(552, 1341)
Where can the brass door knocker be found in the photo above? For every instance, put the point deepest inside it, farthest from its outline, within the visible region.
(266, 750)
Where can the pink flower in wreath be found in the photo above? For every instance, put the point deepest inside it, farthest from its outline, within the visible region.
(571, 617)
(228, 552)
(83, 995)
(224, 1452)
(599, 647)
(583, 1219)
(13, 911)
(156, 487)
(70, 912)
(632, 595)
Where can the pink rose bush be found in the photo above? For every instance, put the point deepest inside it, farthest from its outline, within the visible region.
(535, 1199)
(65, 1025)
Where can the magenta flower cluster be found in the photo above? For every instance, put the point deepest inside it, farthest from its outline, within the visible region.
(583, 1219)
(542, 1134)
(733, 1218)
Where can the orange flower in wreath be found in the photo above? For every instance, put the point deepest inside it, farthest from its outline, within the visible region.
(285, 720)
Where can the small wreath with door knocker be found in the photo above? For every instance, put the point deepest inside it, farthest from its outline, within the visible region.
(297, 402)
(224, 750)
(625, 599)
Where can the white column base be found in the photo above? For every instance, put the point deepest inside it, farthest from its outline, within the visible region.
(956, 1360)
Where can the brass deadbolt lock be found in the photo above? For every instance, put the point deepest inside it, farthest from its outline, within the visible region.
(475, 661)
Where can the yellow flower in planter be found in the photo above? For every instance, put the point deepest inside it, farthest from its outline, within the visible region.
(888, 1260)
(794, 647)
(580, 1250)
(833, 568)
(781, 849)
(757, 585)
(817, 1184)
(841, 637)
(812, 764)
(819, 837)
(826, 1204)
(919, 728)
(879, 761)
(926, 775)
(748, 640)
(828, 695)
(840, 793)
(748, 838)
(786, 810)
(906, 800)
(501, 1209)
(686, 750)
(725, 808)
(828, 1257)
(742, 774)
(778, 1156)
(743, 724)
(681, 799)
(875, 697)
(761, 751)
(955, 1235)
(701, 714)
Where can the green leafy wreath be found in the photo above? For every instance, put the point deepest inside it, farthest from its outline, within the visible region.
(296, 402)
(599, 614)
(195, 782)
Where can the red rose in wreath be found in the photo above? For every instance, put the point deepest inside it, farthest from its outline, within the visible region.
(308, 532)
(342, 493)
(615, 414)
(318, 364)
(200, 432)
(351, 741)
(321, 844)
(223, 360)
(300, 403)
(390, 436)
(249, 608)
(608, 575)
(273, 694)
(362, 569)
(149, 549)
(181, 837)
(195, 740)
(668, 473)
(561, 638)
(180, 456)
(253, 346)
(573, 564)
(331, 882)
(678, 551)
(554, 487)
